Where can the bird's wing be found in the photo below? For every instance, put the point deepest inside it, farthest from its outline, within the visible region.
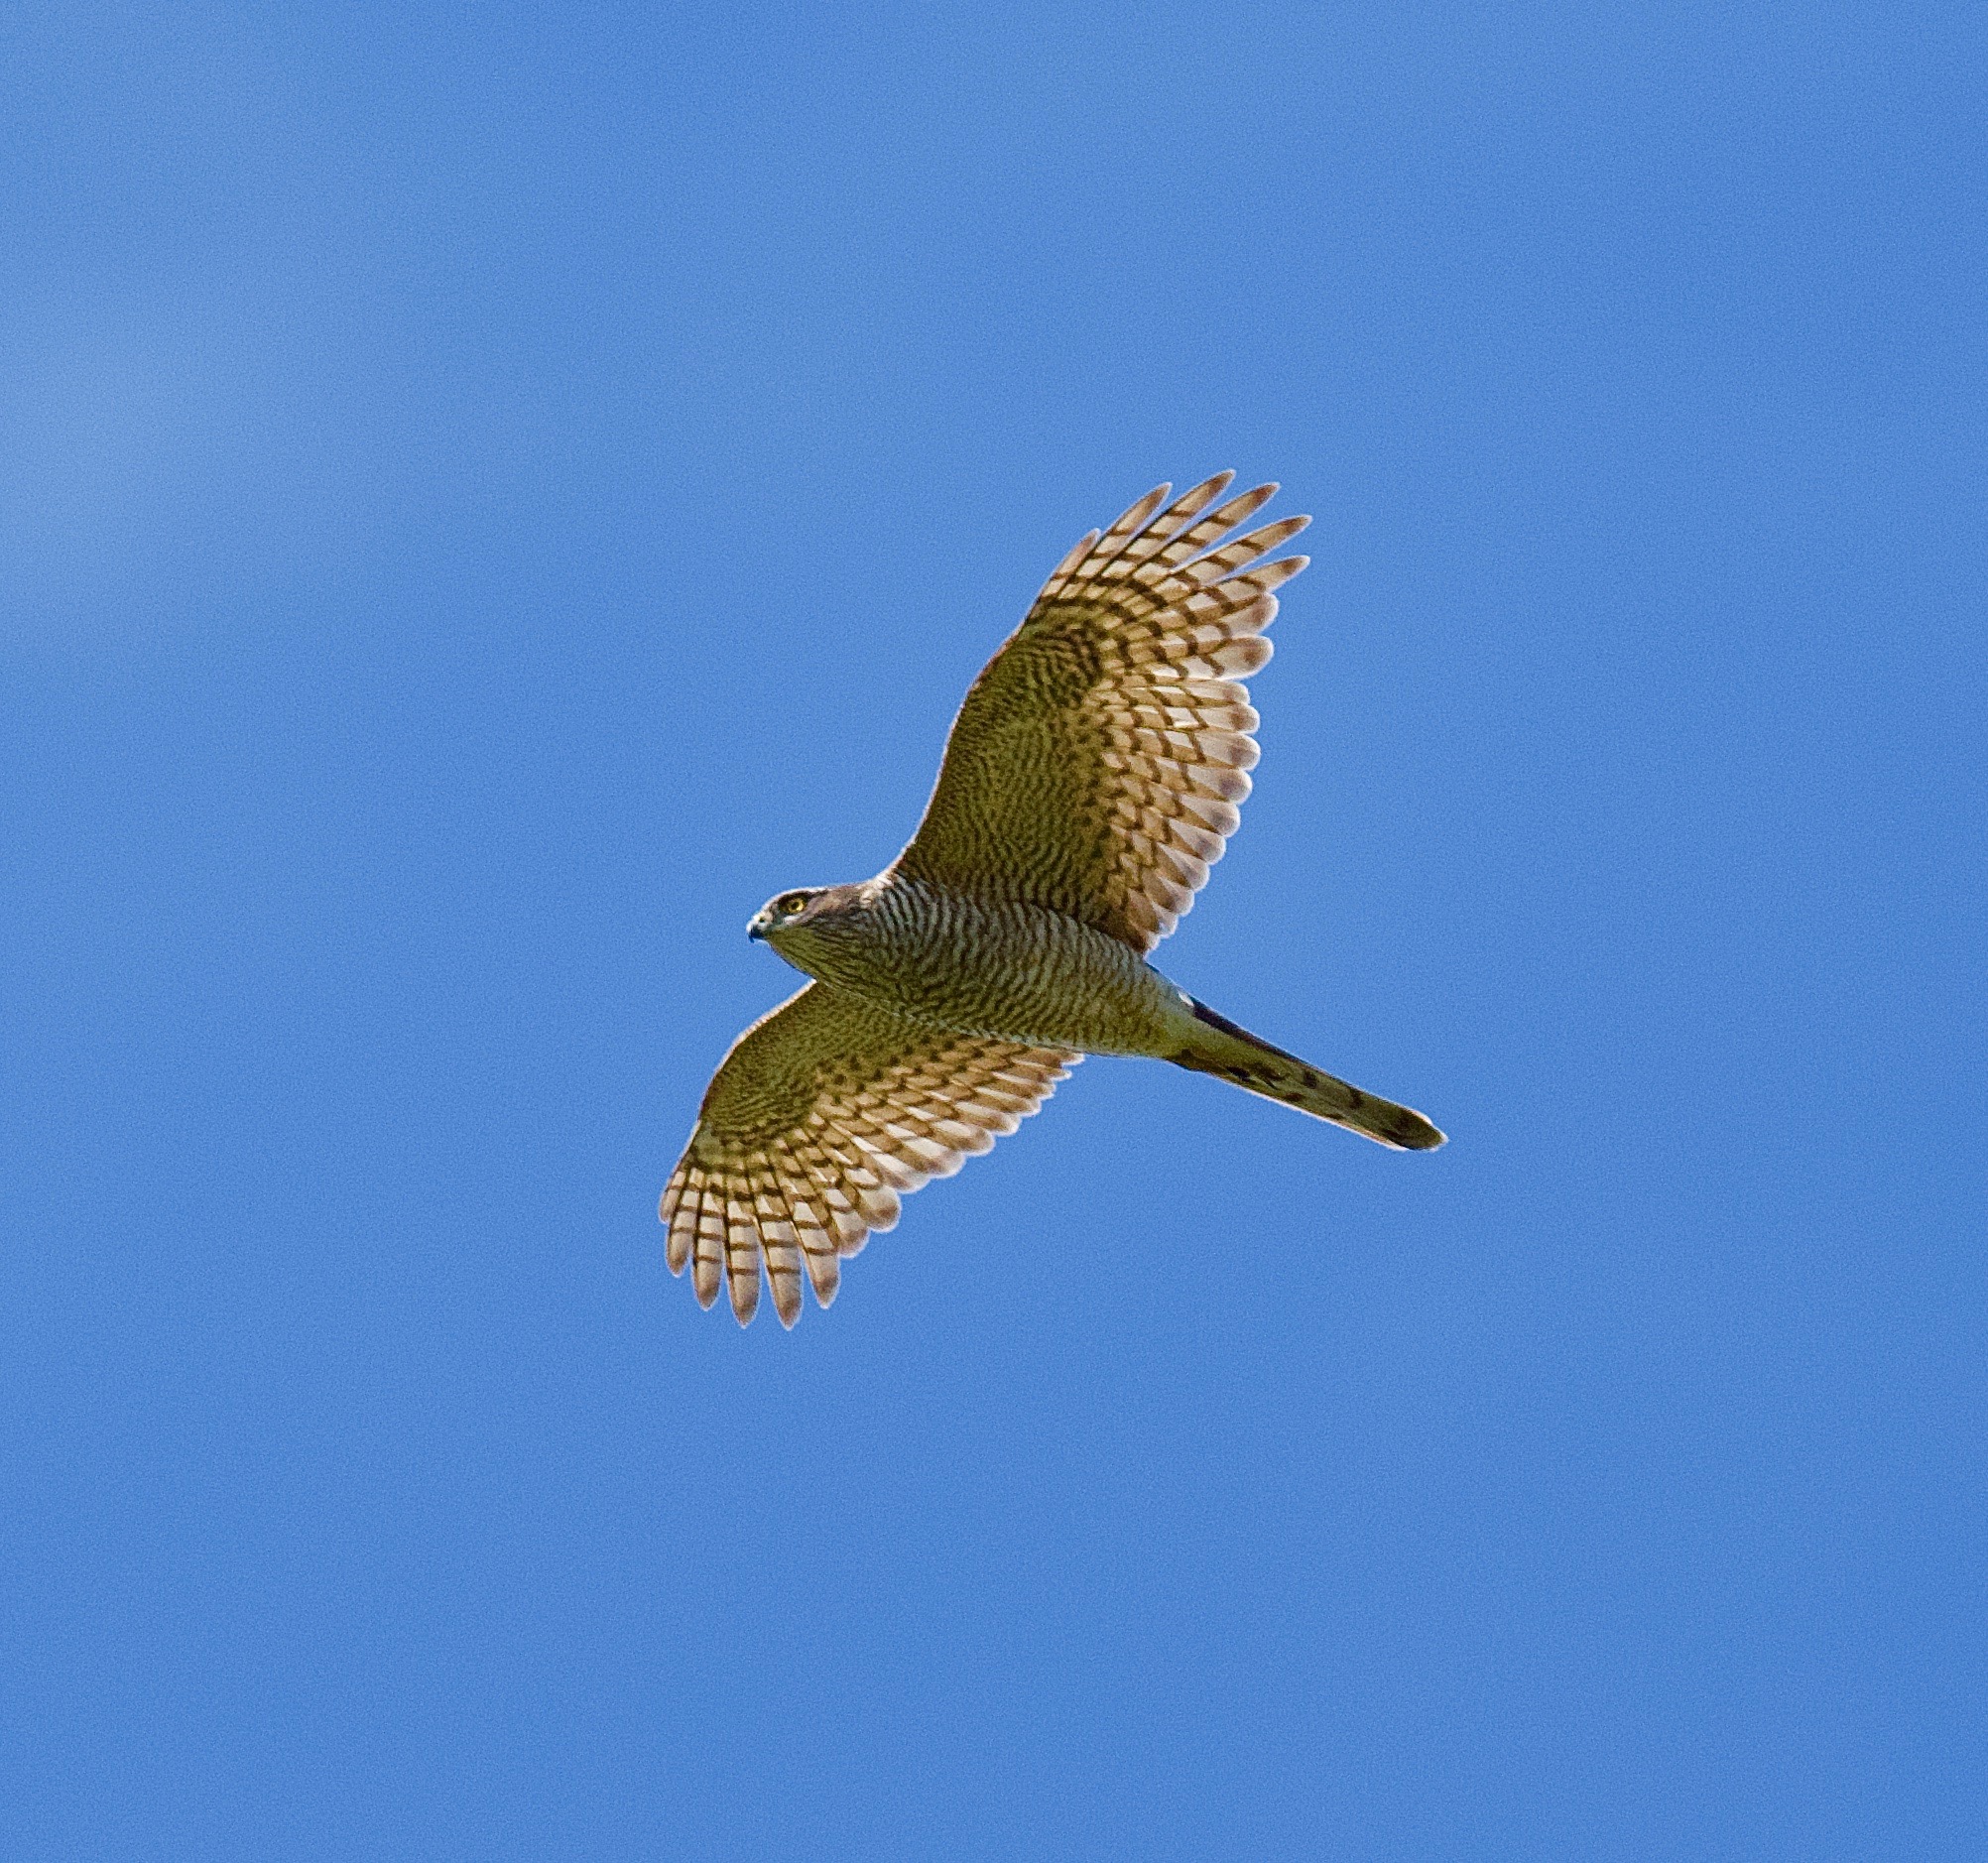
(1097, 762)
(825, 1111)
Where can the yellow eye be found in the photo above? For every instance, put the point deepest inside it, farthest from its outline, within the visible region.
(792, 903)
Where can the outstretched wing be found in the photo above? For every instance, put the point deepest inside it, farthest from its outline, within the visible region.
(824, 1114)
(1097, 762)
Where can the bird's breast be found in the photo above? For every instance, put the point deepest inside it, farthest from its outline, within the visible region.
(1003, 968)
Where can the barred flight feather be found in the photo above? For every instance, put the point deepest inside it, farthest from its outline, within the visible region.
(823, 1116)
(1078, 765)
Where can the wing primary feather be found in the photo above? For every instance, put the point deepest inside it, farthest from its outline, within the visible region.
(1060, 575)
(1216, 524)
(1218, 564)
(675, 1233)
(742, 1256)
(778, 1242)
(1159, 536)
(1130, 522)
(707, 1262)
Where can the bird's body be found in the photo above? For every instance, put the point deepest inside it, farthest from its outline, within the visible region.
(1005, 969)
(1090, 780)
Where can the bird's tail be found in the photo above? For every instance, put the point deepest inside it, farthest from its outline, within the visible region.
(1218, 1047)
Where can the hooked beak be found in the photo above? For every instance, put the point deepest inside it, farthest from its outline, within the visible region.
(756, 928)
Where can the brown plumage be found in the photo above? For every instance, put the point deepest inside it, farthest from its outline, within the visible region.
(1091, 778)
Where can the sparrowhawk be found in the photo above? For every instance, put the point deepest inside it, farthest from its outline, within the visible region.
(1089, 782)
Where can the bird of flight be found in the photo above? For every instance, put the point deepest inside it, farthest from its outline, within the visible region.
(1089, 782)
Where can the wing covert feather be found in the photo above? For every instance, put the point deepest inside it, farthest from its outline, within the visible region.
(824, 1113)
(1097, 761)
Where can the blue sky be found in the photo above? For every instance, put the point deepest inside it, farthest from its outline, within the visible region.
(488, 495)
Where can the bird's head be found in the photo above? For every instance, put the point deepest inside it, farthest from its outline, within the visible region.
(815, 927)
(784, 910)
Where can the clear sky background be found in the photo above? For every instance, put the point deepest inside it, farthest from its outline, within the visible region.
(488, 495)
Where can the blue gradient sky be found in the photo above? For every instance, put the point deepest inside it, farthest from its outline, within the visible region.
(487, 495)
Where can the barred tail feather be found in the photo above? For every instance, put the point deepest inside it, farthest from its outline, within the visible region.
(1234, 1054)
